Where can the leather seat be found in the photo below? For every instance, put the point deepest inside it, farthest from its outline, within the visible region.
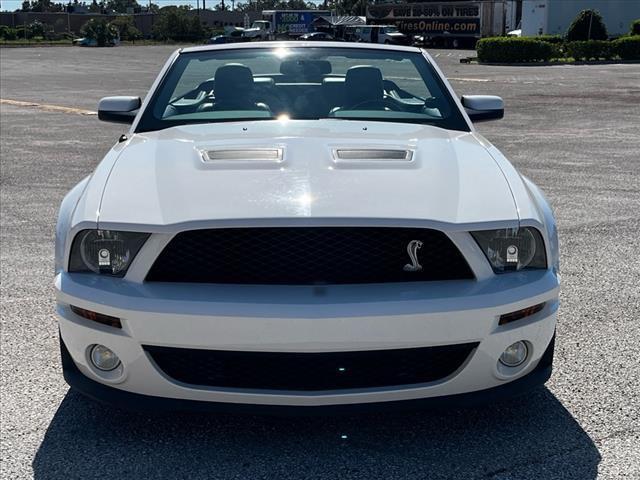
(364, 89)
(234, 89)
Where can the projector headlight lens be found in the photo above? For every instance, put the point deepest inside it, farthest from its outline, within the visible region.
(106, 252)
(512, 249)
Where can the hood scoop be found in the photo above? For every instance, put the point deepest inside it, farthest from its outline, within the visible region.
(271, 155)
(242, 158)
(372, 157)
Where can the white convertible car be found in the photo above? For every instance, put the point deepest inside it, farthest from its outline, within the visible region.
(304, 227)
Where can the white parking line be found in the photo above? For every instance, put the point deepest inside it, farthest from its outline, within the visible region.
(47, 107)
(460, 79)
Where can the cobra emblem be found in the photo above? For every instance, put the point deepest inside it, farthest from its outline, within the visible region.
(412, 250)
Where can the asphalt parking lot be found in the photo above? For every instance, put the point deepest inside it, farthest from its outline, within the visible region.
(573, 129)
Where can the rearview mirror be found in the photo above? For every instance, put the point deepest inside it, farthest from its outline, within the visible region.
(118, 109)
(481, 108)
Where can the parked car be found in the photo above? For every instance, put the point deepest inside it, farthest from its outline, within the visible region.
(316, 36)
(85, 42)
(231, 35)
(90, 42)
(260, 240)
(387, 34)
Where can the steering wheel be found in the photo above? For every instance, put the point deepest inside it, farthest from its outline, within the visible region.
(385, 102)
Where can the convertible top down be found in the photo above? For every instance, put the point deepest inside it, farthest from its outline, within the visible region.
(304, 225)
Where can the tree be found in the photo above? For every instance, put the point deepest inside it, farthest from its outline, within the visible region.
(122, 6)
(95, 7)
(588, 25)
(42, 6)
(100, 30)
(175, 23)
(126, 28)
(259, 5)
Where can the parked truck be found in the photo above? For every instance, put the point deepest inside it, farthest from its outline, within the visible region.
(448, 23)
(553, 17)
(276, 24)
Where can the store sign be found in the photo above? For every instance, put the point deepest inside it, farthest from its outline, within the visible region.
(294, 22)
(429, 18)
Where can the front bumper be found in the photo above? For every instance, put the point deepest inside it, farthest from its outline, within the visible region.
(304, 319)
(149, 404)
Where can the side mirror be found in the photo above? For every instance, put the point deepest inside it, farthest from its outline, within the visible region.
(481, 108)
(119, 109)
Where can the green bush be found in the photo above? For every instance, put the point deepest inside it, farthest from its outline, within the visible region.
(100, 30)
(635, 27)
(8, 33)
(126, 28)
(554, 39)
(24, 32)
(627, 48)
(588, 25)
(175, 23)
(591, 50)
(37, 29)
(514, 49)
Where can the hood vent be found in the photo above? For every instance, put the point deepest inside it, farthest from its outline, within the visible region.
(270, 155)
(385, 155)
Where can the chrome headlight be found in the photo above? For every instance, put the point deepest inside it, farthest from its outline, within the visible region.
(105, 251)
(512, 249)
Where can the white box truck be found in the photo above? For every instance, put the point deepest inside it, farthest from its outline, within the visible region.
(448, 23)
(553, 17)
(277, 24)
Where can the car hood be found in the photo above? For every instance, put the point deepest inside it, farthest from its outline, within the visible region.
(163, 178)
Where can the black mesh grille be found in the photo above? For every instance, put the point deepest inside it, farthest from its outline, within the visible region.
(310, 371)
(307, 256)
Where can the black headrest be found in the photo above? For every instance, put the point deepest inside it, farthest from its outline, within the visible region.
(305, 68)
(233, 79)
(363, 84)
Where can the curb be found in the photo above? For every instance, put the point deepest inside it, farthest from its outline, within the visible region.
(470, 60)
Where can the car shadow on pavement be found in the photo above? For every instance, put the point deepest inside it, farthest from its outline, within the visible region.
(528, 437)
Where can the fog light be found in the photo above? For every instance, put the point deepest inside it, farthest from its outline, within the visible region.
(514, 355)
(103, 358)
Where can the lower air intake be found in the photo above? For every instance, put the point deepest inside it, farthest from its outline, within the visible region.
(310, 371)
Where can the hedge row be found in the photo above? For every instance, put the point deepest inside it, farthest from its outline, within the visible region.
(628, 48)
(534, 49)
(514, 49)
(591, 50)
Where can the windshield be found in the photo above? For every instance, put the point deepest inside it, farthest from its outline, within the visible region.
(301, 83)
(391, 30)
